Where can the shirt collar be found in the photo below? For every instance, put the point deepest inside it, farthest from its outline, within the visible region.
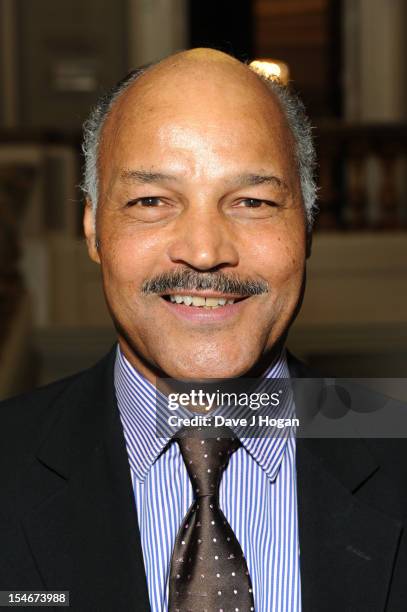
(136, 399)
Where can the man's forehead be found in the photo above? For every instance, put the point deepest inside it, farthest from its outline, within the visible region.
(184, 103)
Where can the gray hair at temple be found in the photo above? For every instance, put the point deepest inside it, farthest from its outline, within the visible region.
(292, 106)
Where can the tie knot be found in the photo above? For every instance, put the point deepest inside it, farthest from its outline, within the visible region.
(206, 452)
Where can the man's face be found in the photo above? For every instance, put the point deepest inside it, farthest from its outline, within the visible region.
(198, 186)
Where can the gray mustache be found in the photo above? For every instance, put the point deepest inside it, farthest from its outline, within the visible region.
(199, 281)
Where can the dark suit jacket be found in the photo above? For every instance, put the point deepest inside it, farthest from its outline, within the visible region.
(68, 519)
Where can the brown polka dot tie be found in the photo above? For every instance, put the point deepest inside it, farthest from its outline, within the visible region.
(208, 569)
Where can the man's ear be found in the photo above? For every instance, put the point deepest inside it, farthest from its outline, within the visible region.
(89, 227)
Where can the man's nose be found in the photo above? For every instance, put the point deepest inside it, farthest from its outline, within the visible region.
(203, 240)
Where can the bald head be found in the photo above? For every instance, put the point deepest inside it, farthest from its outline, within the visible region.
(200, 56)
(203, 86)
(206, 78)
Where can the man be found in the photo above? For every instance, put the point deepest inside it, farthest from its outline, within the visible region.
(200, 200)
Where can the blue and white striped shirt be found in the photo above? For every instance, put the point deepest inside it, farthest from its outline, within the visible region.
(257, 494)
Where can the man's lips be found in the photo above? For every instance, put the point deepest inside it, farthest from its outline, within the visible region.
(207, 294)
(203, 306)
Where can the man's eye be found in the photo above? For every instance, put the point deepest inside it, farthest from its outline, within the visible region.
(148, 202)
(255, 203)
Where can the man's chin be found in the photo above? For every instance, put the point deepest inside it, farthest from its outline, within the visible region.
(199, 370)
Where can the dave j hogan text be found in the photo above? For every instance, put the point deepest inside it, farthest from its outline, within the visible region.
(256, 420)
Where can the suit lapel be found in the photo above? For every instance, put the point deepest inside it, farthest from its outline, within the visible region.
(79, 514)
(348, 547)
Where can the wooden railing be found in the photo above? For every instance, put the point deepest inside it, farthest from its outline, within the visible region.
(345, 168)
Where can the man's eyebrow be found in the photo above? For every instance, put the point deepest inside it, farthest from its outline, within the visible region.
(242, 180)
(248, 180)
(144, 176)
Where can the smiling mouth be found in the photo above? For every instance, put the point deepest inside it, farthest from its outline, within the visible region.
(200, 301)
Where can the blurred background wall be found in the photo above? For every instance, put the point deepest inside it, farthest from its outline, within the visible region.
(346, 59)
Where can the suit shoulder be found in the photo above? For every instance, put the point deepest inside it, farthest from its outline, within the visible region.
(22, 417)
(33, 403)
(35, 399)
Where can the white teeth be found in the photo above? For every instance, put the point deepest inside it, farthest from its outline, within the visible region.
(212, 302)
(199, 301)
